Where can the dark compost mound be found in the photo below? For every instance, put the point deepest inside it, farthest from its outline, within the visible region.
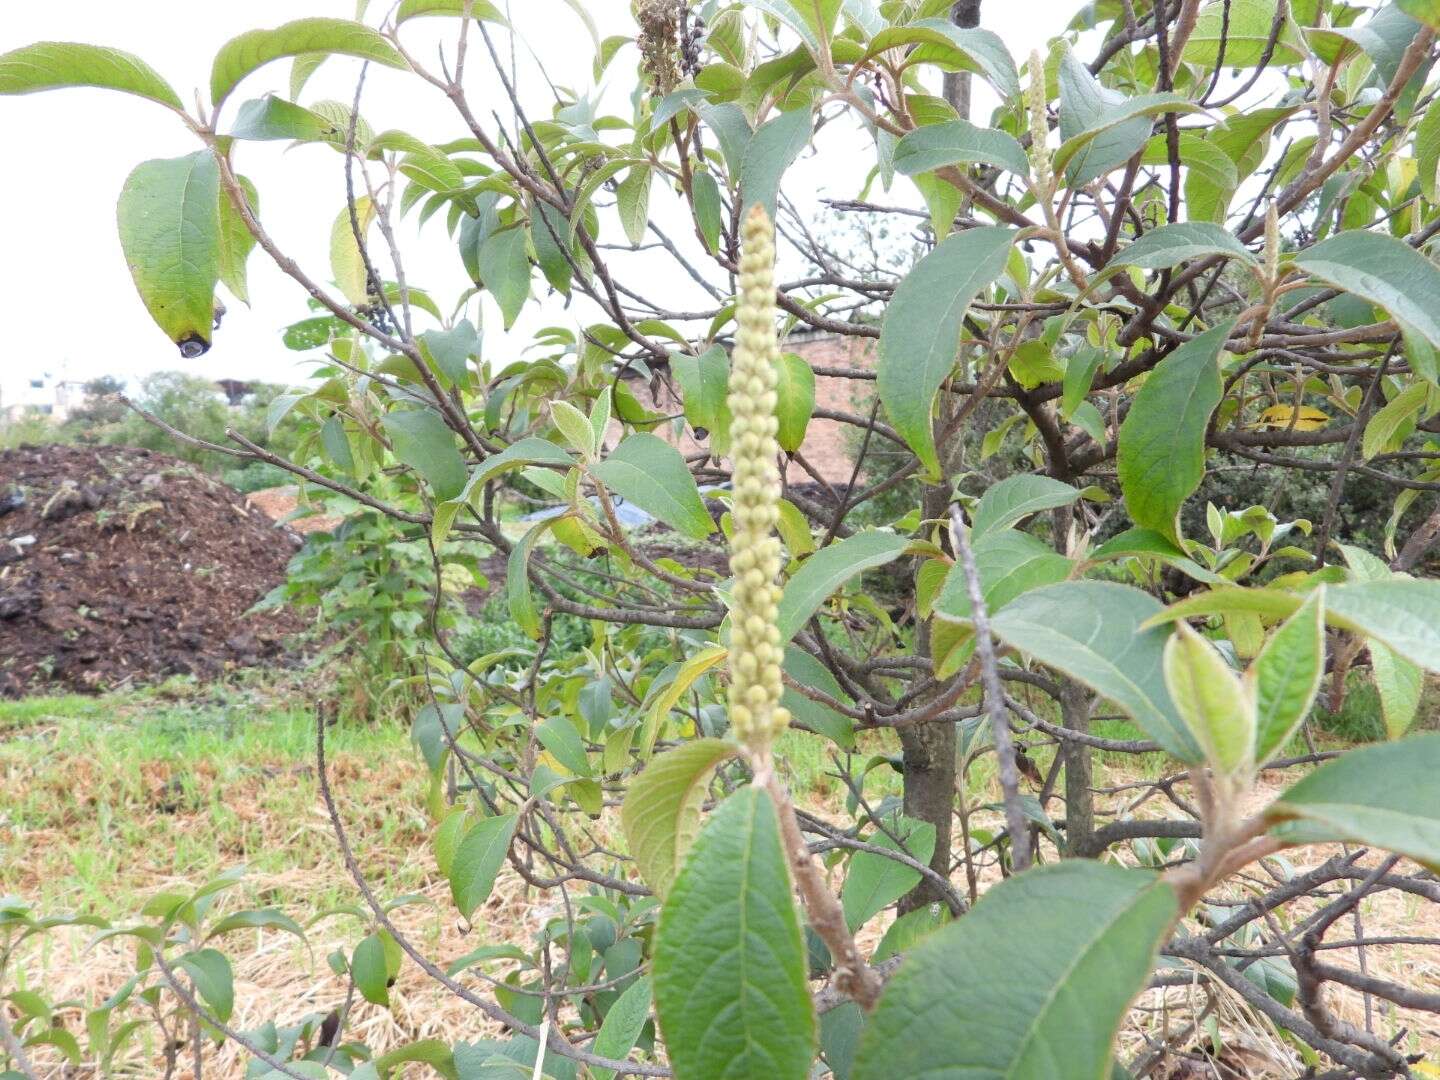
(123, 566)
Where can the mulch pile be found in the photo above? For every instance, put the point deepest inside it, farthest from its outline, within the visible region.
(122, 566)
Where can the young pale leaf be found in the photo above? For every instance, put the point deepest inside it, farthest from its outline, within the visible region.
(1286, 675)
(1161, 458)
(347, 263)
(958, 142)
(795, 400)
(423, 441)
(1386, 271)
(651, 474)
(1400, 684)
(661, 811)
(527, 451)
(55, 65)
(729, 966)
(1390, 424)
(235, 241)
(478, 860)
(874, 882)
(1016, 497)
(622, 1026)
(575, 426)
(169, 219)
(1092, 631)
(830, 568)
(239, 56)
(1384, 795)
(920, 337)
(771, 150)
(1170, 245)
(1212, 700)
(1083, 934)
(632, 202)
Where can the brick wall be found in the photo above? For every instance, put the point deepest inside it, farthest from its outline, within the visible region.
(828, 443)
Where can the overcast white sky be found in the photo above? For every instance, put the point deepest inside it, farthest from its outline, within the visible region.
(70, 307)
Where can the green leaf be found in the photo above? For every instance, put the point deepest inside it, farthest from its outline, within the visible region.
(958, 142)
(236, 241)
(271, 118)
(1161, 459)
(822, 573)
(450, 350)
(770, 151)
(709, 211)
(371, 971)
(517, 580)
(1385, 795)
(729, 966)
(481, 10)
(874, 882)
(523, 452)
(1091, 631)
(1009, 563)
(423, 441)
(169, 219)
(941, 41)
(653, 475)
(1385, 271)
(213, 979)
(1101, 128)
(1426, 11)
(574, 425)
(1211, 699)
(1171, 245)
(347, 263)
(661, 811)
(432, 1052)
(1286, 676)
(794, 399)
(704, 386)
(1033, 982)
(1400, 612)
(55, 65)
(1246, 32)
(1390, 424)
(1427, 153)
(622, 1026)
(632, 202)
(263, 919)
(803, 16)
(503, 267)
(240, 56)
(1400, 685)
(920, 336)
(478, 860)
(1016, 497)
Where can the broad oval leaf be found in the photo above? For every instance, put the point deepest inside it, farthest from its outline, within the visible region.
(661, 811)
(1033, 982)
(794, 400)
(920, 336)
(371, 971)
(1400, 612)
(1016, 497)
(770, 151)
(729, 967)
(1092, 631)
(827, 570)
(704, 385)
(242, 55)
(423, 441)
(1386, 271)
(55, 65)
(958, 142)
(477, 861)
(213, 978)
(527, 451)
(1286, 676)
(169, 219)
(1009, 563)
(623, 1024)
(1170, 245)
(1385, 795)
(1161, 458)
(653, 475)
(941, 41)
(874, 882)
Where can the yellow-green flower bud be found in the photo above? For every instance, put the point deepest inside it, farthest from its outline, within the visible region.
(755, 686)
(1039, 126)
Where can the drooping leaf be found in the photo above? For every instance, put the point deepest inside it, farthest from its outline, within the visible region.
(652, 474)
(503, 267)
(1004, 504)
(622, 1026)
(371, 971)
(1091, 631)
(822, 573)
(1390, 424)
(941, 42)
(874, 882)
(1286, 676)
(794, 399)
(1161, 458)
(347, 263)
(1245, 28)
(770, 151)
(477, 861)
(240, 56)
(55, 65)
(729, 968)
(1170, 245)
(1385, 271)
(920, 337)
(1384, 795)
(1400, 685)
(632, 203)
(169, 219)
(517, 579)
(523, 452)
(423, 441)
(236, 241)
(214, 980)
(661, 811)
(1033, 982)
(958, 142)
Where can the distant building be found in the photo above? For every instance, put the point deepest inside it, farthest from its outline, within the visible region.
(45, 394)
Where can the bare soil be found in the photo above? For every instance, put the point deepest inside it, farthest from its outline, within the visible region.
(123, 566)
